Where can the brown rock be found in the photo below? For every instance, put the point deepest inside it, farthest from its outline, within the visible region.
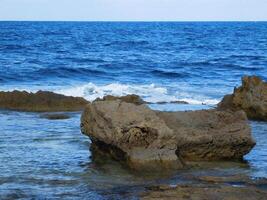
(250, 97)
(41, 101)
(209, 192)
(55, 116)
(143, 137)
(131, 98)
(210, 134)
(132, 133)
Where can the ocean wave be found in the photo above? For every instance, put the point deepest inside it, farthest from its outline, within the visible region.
(150, 93)
(71, 71)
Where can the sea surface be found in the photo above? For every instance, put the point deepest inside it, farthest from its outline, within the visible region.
(197, 62)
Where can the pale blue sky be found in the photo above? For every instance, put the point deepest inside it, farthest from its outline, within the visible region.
(141, 10)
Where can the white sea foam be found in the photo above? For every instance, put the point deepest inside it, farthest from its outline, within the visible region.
(150, 93)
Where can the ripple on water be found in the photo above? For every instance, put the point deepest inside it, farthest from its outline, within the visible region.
(52, 158)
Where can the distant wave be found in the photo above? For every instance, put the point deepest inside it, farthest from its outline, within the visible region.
(150, 93)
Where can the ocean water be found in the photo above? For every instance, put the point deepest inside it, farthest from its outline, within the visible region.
(195, 62)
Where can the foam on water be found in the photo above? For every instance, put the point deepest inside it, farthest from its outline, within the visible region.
(150, 93)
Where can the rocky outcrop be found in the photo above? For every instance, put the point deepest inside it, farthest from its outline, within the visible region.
(131, 133)
(250, 97)
(141, 137)
(41, 101)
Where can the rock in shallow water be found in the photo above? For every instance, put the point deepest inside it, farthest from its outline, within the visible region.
(213, 192)
(131, 98)
(250, 97)
(144, 138)
(41, 101)
(55, 116)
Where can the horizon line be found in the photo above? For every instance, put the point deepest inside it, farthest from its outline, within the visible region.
(179, 21)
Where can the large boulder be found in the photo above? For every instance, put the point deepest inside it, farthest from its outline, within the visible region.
(41, 101)
(142, 137)
(131, 133)
(250, 97)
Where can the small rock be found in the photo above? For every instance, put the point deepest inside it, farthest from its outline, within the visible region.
(131, 98)
(55, 116)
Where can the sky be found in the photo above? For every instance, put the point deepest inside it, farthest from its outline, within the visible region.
(134, 10)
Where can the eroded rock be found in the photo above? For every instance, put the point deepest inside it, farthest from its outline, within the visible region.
(41, 101)
(143, 137)
(136, 131)
(250, 97)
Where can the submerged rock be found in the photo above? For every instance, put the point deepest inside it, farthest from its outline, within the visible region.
(213, 191)
(41, 101)
(142, 137)
(250, 97)
(55, 116)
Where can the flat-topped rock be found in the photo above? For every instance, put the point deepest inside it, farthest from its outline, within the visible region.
(143, 137)
(251, 97)
(210, 134)
(213, 191)
(41, 101)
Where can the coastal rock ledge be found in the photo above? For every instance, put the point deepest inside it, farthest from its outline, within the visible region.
(250, 97)
(148, 139)
(41, 101)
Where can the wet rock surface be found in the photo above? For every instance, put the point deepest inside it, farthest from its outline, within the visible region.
(145, 138)
(41, 101)
(204, 191)
(140, 135)
(250, 97)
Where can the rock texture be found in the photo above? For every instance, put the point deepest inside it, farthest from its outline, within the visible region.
(130, 132)
(212, 192)
(210, 134)
(131, 98)
(250, 97)
(143, 137)
(41, 101)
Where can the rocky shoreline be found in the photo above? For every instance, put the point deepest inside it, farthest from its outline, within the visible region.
(127, 130)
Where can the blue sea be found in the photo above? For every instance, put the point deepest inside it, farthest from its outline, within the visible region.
(197, 62)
